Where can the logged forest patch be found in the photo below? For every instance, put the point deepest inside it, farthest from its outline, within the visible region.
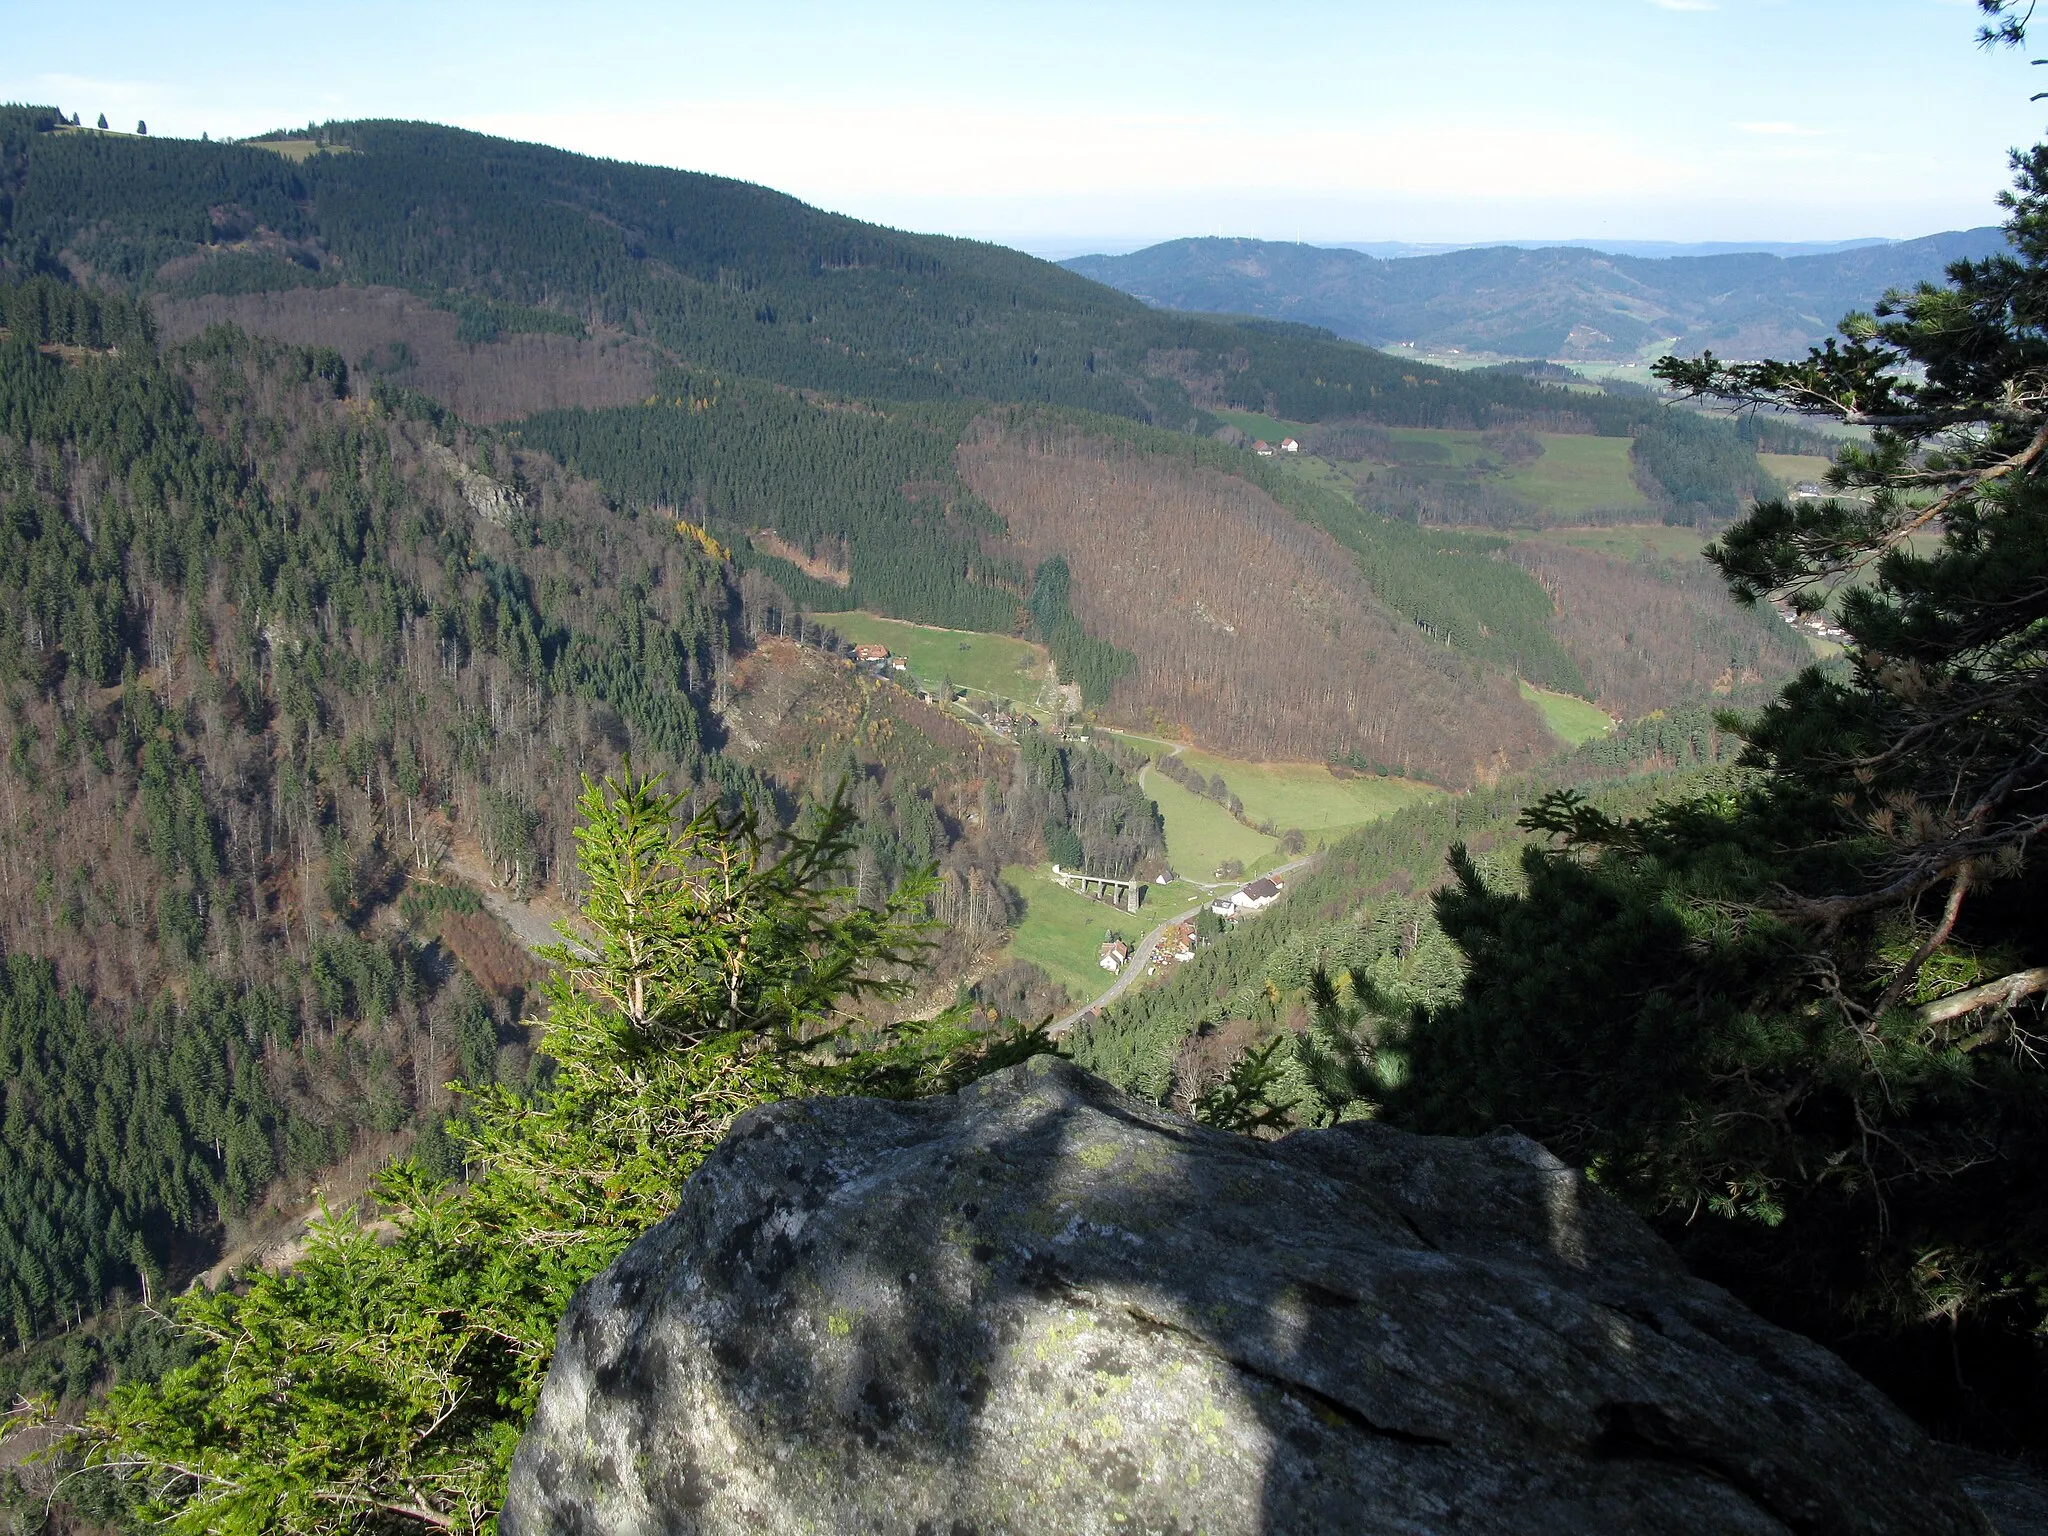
(1254, 633)
(1648, 631)
(386, 332)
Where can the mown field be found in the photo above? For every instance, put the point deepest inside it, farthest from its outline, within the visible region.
(1795, 468)
(1200, 834)
(1578, 475)
(1308, 795)
(1062, 931)
(992, 664)
(1627, 540)
(1571, 720)
(1271, 428)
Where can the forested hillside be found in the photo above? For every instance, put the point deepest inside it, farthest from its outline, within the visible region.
(805, 387)
(1256, 633)
(281, 654)
(1363, 911)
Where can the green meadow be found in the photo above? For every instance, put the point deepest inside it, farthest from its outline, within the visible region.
(1200, 834)
(1571, 720)
(1625, 541)
(1577, 475)
(991, 664)
(1062, 931)
(1306, 795)
(1793, 468)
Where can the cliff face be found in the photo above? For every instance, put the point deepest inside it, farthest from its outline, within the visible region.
(1041, 1306)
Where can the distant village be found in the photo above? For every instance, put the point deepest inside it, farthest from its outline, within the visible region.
(1177, 945)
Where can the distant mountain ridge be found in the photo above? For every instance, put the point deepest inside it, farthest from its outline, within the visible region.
(1565, 302)
(1653, 248)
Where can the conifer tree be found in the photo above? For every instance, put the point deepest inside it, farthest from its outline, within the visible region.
(1798, 1018)
(381, 1383)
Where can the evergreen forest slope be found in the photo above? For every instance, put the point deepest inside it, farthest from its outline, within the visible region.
(283, 654)
(1561, 302)
(807, 388)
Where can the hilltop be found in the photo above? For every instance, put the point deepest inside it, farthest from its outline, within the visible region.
(1561, 302)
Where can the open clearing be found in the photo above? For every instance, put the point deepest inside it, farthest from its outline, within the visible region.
(1795, 468)
(1307, 795)
(993, 664)
(1570, 719)
(1578, 475)
(1271, 428)
(298, 151)
(1627, 540)
(1062, 931)
(1200, 834)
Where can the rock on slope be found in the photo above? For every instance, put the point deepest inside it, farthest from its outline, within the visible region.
(1042, 1306)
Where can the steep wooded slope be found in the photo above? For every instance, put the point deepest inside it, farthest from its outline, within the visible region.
(1559, 302)
(389, 333)
(1647, 632)
(1253, 631)
(277, 656)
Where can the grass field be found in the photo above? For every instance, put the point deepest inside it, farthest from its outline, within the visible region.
(1570, 719)
(1062, 930)
(1627, 540)
(1200, 834)
(1306, 795)
(993, 664)
(1793, 468)
(297, 151)
(1578, 474)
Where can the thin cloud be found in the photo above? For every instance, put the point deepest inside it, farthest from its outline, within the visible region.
(1783, 130)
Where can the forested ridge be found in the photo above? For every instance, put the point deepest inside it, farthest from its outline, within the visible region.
(730, 278)
(1559, 302)
(272, 649)
(287, 641)
(822, 373)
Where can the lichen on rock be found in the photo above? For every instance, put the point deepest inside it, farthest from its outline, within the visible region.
(1041, 1306)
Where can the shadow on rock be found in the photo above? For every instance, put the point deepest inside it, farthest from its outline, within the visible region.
(1042, 1306)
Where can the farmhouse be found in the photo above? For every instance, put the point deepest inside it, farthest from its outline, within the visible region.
(1289, 445)
(871, 653)
(1258, 895)
(1262, 448)
(1114, 954)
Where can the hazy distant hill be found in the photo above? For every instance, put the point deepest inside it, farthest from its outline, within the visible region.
(1559, 302)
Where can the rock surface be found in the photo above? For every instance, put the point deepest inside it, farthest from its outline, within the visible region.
(1042, 1306)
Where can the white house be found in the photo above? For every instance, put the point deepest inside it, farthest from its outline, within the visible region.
(1257, 896)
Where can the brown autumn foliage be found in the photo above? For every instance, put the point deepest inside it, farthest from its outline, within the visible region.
(1253, 633)
(413, 343)
(811, 722)
(1648, 631)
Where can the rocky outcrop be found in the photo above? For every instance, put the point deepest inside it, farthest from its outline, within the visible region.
(1042, 1306)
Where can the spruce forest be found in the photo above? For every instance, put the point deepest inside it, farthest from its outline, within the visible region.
(441, 790)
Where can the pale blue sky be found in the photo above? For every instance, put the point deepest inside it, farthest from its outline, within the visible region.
(1063, 126)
